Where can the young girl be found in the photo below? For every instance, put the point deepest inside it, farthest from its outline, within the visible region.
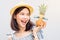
(21, 24)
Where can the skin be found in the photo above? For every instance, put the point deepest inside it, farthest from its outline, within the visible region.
(22, 18)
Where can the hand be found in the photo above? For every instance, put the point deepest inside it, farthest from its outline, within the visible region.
(40, 23)
(35, 30)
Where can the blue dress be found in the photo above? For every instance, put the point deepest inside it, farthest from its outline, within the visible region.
(29, 37)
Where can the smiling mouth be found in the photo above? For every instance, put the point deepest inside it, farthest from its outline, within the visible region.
(23, 22)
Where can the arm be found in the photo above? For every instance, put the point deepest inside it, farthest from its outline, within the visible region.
(9, 38)
(35, 36)
(35, 30)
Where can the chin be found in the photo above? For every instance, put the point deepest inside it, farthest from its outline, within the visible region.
(23, 25)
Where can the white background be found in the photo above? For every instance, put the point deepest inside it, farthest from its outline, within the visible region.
(52, 30)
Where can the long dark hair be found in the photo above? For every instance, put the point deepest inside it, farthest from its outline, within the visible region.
(14, 24)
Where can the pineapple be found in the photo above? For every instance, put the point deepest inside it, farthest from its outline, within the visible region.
(40, 22)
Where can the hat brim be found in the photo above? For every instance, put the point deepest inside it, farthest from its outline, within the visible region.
(15, 7)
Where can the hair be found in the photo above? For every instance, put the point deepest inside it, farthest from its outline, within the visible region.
(14, 24)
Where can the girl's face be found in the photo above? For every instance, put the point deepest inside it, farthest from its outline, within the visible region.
(23, 17)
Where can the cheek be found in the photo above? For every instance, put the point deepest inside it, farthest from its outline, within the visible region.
(18, 18)
(28, 18)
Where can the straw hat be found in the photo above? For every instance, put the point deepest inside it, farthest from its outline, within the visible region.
(20, 5)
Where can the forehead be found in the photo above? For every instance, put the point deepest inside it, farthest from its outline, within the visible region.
(25, 10)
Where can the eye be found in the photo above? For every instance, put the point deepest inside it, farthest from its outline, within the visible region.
(21, 13)
(28, 14)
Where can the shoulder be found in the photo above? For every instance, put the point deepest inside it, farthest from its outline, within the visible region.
(10, 36)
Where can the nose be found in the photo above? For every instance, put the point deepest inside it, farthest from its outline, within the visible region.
(25, 17)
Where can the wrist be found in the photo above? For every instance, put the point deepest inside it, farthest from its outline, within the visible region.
(35, 35)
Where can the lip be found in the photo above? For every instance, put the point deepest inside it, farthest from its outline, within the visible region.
(23, 22)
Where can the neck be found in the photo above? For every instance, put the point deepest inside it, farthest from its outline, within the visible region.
(22, 29)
